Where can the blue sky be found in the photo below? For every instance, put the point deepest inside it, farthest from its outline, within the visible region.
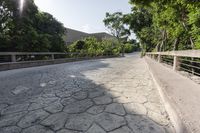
(83, 15)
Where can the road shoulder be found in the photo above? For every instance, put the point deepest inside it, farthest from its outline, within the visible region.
(180, 95)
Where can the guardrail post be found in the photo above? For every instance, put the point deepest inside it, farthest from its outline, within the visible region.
(176, 64)
(159, 58)
(13, 58)
(154, 56)
(193, 70)
(52, 57)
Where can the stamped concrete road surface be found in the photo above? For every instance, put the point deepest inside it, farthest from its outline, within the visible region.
(98, 96)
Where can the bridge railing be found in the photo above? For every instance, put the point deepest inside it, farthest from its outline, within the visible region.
(14, 57)
(187, 60)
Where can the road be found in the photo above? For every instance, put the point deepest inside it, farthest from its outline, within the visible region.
(115, 95)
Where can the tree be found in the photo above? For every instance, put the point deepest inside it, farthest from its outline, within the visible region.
(30, 30)
(48, 25)
(194, 22)
(114, 22)
(165, 25)
(93, 47)
(140, 22)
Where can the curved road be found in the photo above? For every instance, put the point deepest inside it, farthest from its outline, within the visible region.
(114, 95)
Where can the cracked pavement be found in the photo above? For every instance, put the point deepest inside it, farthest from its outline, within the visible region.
(115, 95)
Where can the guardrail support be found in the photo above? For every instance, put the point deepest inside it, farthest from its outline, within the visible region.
(159, 58)
(52, 57)
(176, 65)
(154, 57)
(13, 58)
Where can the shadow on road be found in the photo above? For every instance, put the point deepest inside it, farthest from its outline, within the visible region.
(61, 99)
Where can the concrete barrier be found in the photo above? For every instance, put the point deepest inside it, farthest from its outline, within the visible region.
(17, 65)
(174, 108)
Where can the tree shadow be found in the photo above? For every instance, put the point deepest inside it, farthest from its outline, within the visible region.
(65, 99)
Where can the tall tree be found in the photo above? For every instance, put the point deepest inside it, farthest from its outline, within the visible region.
(30, 30)
(165, 24)
(114, 22)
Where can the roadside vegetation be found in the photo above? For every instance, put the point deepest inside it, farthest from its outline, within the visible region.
(163, 25)
(158, 25)
(92, 47)
(36, 31)
(30, 30)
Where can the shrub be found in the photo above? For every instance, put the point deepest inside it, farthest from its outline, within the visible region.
(92, 47)
(128, 48)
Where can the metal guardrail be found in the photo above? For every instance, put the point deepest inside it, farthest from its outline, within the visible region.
(7, 57)
(187, 60)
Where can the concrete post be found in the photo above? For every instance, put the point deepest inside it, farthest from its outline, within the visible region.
(159, 58)
(52, 57)
(154, 56)
(13, 58)
(176, 65)
(193, 70)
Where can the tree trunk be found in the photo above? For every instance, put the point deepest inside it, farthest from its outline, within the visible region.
(191, 40)
(163, 41)
(123, 50)
(176, 44)
(158, 47)
(192, 43)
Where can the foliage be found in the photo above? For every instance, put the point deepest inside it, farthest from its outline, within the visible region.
(30, 30)
(165, 25)
(92, 47)
(128, 48)
(131, 46)
(111, 46)
(114, 22)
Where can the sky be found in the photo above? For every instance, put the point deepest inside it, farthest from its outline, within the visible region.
(83, 15)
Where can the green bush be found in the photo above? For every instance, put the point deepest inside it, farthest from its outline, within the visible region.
(111, 46)
(129, 48)
(92, 47)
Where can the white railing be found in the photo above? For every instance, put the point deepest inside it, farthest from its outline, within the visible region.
(187, 60)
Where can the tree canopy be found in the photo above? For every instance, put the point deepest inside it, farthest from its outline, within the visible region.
(30, 30)
(165, 24)
(91, 46)
(114, 22)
